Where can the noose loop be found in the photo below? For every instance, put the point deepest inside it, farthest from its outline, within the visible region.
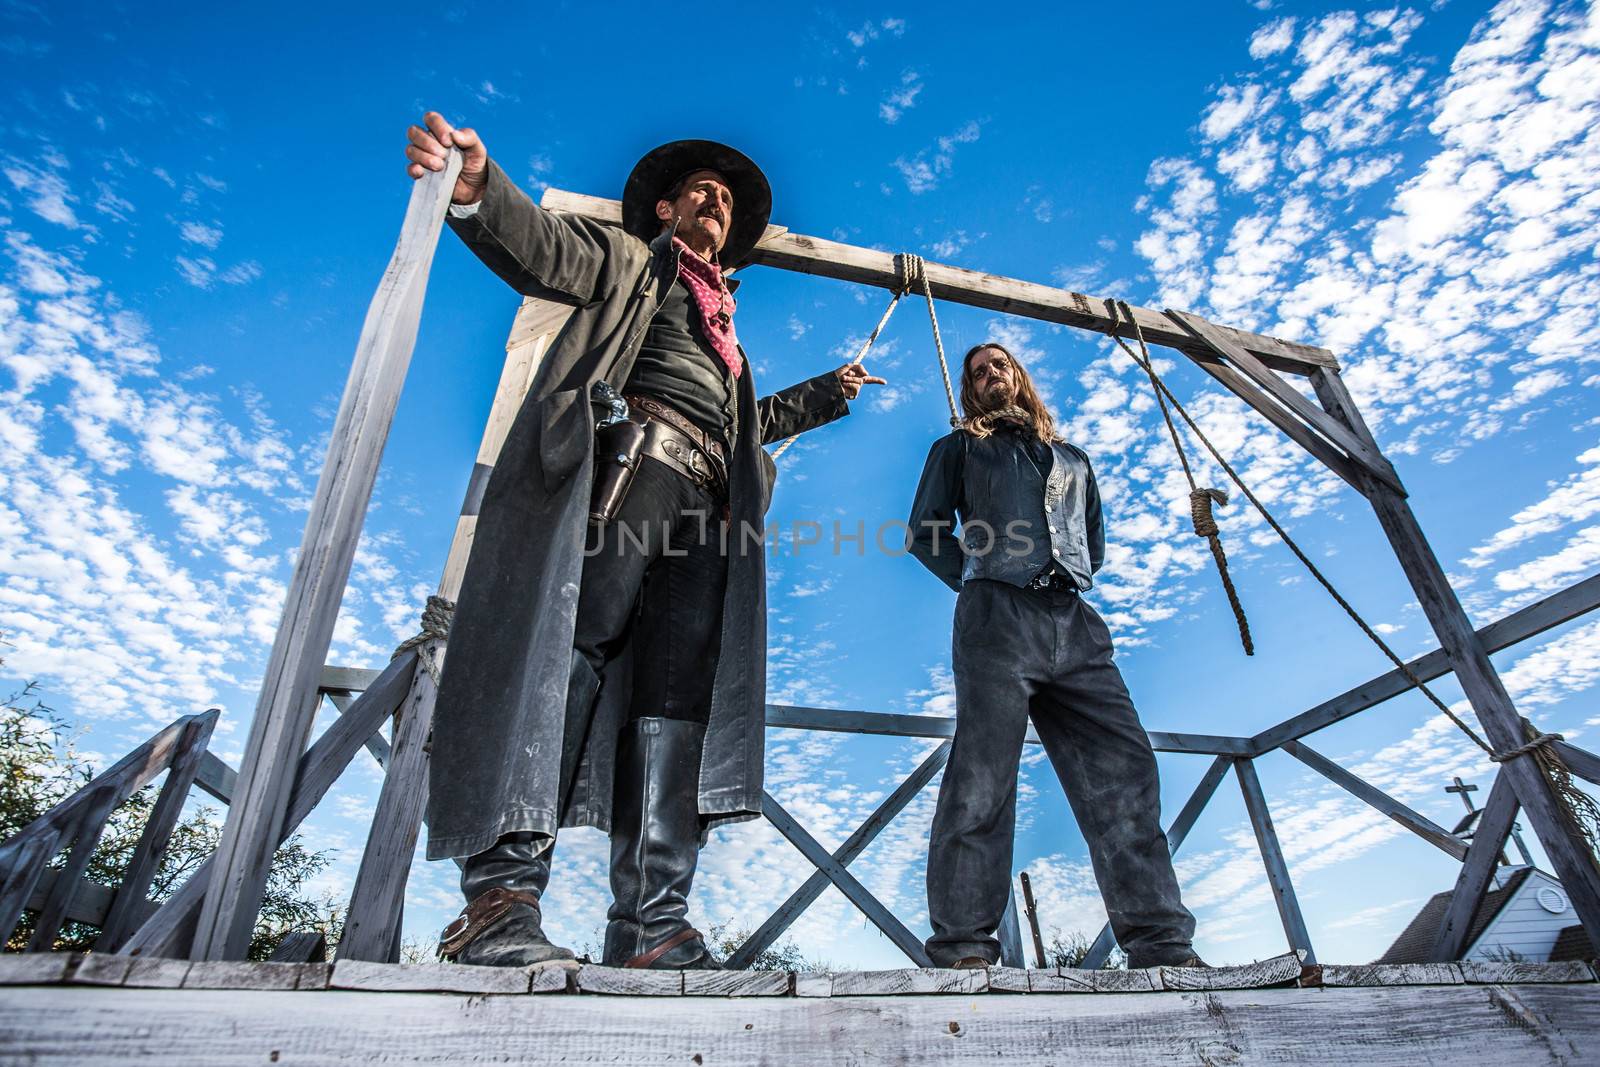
(1200, 500)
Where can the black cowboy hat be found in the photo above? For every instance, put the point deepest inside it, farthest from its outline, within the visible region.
(654, 174)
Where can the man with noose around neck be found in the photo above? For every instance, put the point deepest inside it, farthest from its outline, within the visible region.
(1025, 644)
(612, 672)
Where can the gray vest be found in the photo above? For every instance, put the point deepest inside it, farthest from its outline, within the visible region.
(1020, 518)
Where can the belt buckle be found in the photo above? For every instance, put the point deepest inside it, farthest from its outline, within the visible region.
(700, 464)
(1040, 581)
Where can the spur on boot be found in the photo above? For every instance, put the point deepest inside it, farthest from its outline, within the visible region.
(501, 924)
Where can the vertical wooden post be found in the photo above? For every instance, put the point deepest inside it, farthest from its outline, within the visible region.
(1032, 910)
(1574, 864)
(288, 701)
(372, 922)
(1294, 924)
(1450, 940)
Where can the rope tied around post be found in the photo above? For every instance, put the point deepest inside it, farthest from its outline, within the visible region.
(436, 617)
(1200, 500)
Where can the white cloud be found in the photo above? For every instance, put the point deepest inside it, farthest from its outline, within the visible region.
(201, 234)
(902, 98)
(924, 171)
(1274, 37)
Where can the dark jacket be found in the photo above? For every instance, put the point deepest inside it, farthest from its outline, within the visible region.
(497, 733)
(1017, 516)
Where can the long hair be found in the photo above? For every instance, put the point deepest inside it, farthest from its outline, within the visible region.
(1027, 407)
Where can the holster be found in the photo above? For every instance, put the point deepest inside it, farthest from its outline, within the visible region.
(618, 448)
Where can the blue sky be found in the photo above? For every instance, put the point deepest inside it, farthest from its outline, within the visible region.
(198, 204)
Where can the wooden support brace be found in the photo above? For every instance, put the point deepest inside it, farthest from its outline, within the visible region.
(854, 845)
(372, 924)
(1473, 882)
(91, 824)
(168, 932)
(1255, 802)
(1416, 822)
(1100, 951)
(1569, 853)
(132, 905)
(830, 259)
(1363, 453)
(287, 705)
(846, 882)
(1555, 609)
(1275, 413)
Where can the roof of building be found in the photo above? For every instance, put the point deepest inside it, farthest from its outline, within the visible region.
(1572, 944)
(1416, 940)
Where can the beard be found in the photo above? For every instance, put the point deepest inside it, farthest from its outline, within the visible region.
(998, 395)
(694, 231)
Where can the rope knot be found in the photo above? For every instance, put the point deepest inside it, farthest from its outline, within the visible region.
(1543, 740)
(436, 616)
(908, 271)
(1200, 501)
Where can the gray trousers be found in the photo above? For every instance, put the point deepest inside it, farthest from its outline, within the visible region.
(1046, 654)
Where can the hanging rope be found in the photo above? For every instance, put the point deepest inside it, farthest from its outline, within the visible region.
(1579, 809)
(917, 271)
(1200, 500)
(901, 288)
(436, 618)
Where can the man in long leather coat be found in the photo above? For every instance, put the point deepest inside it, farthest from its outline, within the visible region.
(612, 674)
(1026, 644)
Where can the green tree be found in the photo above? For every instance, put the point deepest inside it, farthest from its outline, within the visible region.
(43, 767)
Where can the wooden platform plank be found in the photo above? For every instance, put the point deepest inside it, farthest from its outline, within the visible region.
(1463, 1026)
(234, 974)
(556, 976)
(1391, 974)
(102, 968)
(1008, 980)
(427, 978)
(1482, 972)
(37, 968)
(736, 983)
(1278, 970)
(813, 984)
(156, 973)
(624, 981)
(913, 980)
(1071, 980)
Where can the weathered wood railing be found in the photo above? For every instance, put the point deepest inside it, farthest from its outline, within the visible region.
(78, 823)
(1237, 754)
(369, 699)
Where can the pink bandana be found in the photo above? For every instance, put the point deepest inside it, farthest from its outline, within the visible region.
(716, 304)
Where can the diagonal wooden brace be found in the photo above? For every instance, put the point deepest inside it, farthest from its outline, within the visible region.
(846, 882)
(1360, 451)
(854, 845)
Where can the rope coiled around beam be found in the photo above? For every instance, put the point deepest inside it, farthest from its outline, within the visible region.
(436, 617)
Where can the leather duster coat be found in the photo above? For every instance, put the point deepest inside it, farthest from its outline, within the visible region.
(497, 733)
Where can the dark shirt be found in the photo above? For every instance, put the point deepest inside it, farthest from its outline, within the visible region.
(1025, 507)
(677, 364)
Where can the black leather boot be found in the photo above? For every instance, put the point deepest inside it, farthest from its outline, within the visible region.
(501, 924)
(655, 845)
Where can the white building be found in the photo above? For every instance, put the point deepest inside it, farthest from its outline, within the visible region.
(1521, 918)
